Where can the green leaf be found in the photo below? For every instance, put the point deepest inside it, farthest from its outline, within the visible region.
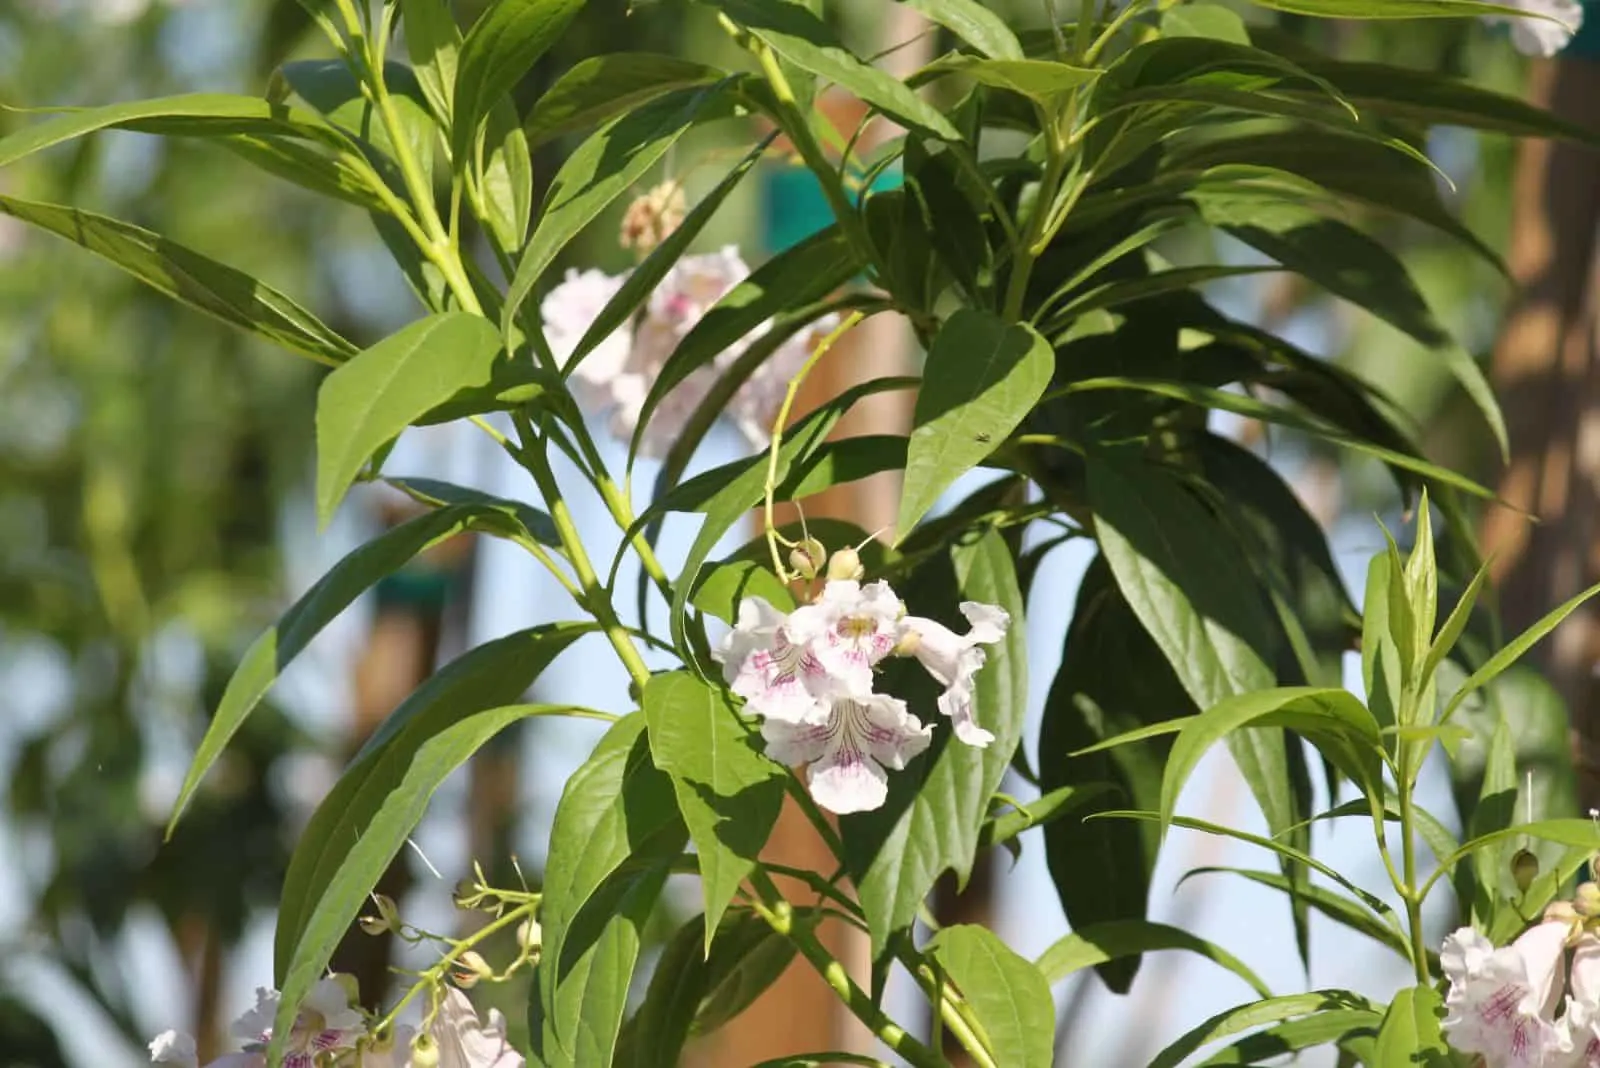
(433, 41)
(382, 390)
(377, 816)
(1115, 939)
(615, 830)
(799, 275)
(512, 520)
(507, 177)
(601, 170)
(1332, 719)
(499, 49)
(329, 86)
(1570, 832)
(270, 653)
(1241, 404)
(728, 791)
(190, 278)
(309, 167)
(799, 36)
(1008, 995)
(1496, 810)
(1112, 678)
(1396, 9)
(1205, 20)
(1352, 265)
(747, 957)
(643, 279)
(1336, 907)
(655, 1036)
(1410, 1034)
(600, 88)
(973, 23)
(1057, 804)
(213, 115)
(1045, 82)
(1245, 1017)
(982, 377)
(1285, 852)
(1427, 97)
(1455, 623)
(1512, 651)
(1305, 1033)
(490, 676)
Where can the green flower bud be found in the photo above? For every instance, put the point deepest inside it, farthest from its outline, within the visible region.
(424, 1052)
(1524, 868)
(845, 565)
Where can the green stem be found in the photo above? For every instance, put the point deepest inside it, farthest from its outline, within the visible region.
(771, 906)
(435, 974)
(593, 596)
(954, 1014)
(1412, 895)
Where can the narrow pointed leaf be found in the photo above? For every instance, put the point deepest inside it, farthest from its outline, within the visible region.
(1114, 939)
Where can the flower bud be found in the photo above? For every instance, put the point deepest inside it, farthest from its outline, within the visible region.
(808, 558)
(845, 565)
(469, 969)
(374, 925)
(1561, 912)
(652, 216)
(1587, 900)
(530, 936)
(1524, 868)
(424, 1052)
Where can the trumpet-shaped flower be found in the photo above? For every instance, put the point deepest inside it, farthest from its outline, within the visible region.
(849, 630)
(1501, 1003)
(465, 1041)
(849, 747)
(762, 662)
(954, 659)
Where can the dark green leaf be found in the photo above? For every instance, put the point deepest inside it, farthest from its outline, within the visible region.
(973, 23)
(1410, 1034)
(433, 41)
(600, 88)
(1245, 1017)
(499, 49)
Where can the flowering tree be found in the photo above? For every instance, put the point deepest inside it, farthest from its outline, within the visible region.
(884, 682)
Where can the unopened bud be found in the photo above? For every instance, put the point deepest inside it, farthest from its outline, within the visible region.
(652, 216)
(374, 925)
(1587, 900)
(424, 1052)
(808, 558)
(530, 936)
(1561, 912)
(1524, 868)
(845, 565)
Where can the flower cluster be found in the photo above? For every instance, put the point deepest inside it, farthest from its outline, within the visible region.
(1522, 1005)
(618, 373)
(809, 675)
(1538, 36)
(330, 1032)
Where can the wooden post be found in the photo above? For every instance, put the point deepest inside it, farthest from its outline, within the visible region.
(1545, 374)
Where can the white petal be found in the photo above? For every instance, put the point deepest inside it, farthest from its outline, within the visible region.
(256, 1023)
(797, 741)
(1543, 950)
(331, 1001)
(1465, 952)
(889, 733)
(174, 1047)
(466, 1042)
(845, 780)
(571, 308)
(1539, 36)
(989, 622)
(1586, 972)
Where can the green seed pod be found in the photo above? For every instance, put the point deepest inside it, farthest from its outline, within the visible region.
(1524, 869)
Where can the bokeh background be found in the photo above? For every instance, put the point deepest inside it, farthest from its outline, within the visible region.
(155, 514)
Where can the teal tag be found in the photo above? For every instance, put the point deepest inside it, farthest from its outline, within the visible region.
(796, 207)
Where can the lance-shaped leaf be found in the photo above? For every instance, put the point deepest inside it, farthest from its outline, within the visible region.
(728, 792)
(982, 377)
(499, 49)
(1246, 1017)
(1098, 943)
(378, 393)
(189, 277)
(600, 88)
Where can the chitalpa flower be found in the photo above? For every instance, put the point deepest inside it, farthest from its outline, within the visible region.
(326, 1023)
(809, 674)
(1536, 36)
(616, 376)
(1502, 1002)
